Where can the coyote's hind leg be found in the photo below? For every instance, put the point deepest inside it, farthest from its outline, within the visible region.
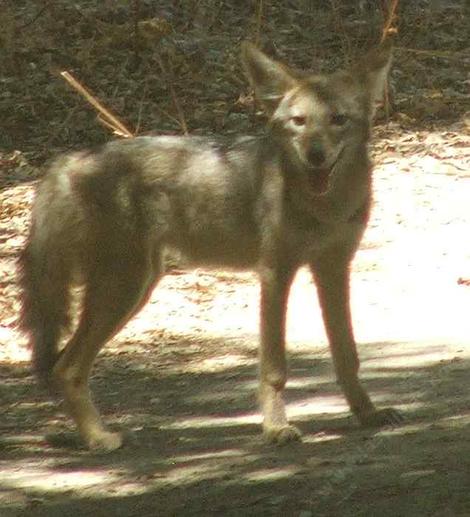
(113, 295)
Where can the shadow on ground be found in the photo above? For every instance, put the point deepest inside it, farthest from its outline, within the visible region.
(194, 446)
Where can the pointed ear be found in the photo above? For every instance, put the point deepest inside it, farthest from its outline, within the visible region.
(269, 79)
(374, 68)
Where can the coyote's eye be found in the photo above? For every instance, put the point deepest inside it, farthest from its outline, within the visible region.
(338, 119)
(299, 120)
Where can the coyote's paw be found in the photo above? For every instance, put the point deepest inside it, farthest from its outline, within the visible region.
(104, 442)
(381, 417)
(281, 435)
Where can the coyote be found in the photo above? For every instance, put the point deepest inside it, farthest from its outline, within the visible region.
(298, 195)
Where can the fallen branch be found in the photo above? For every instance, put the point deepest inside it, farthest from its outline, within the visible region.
(442, 54)
(388, 30)
(105, 116)
(34, 18)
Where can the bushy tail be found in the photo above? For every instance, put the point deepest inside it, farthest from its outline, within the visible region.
(44, 280)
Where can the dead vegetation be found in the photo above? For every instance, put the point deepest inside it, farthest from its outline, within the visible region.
(172, 67)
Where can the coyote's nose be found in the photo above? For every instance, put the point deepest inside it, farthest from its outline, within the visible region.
(316, 155)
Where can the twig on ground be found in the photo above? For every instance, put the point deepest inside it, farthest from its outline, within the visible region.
(388, 30)
(443, 54)
(169, 80)
(34, 18)
(259, 18)
(141, 106)
(106, 117)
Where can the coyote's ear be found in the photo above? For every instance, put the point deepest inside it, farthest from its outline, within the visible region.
(269, 79)
(374, 69)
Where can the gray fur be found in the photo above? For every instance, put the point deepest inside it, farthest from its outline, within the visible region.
(299, 195)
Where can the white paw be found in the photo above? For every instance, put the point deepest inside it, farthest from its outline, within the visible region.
(104, 442)
(281, 435)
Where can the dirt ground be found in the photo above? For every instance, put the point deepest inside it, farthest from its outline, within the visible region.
(181, 377)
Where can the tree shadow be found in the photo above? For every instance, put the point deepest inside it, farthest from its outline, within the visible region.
(195, 445)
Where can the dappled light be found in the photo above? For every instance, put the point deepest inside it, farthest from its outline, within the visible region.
(51, 480)
(181, 378)
(214, 421)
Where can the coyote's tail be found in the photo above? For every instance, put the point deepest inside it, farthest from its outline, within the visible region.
(44, 278)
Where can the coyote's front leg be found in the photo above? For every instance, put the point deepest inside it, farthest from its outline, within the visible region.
(273, 369)
(331, 273)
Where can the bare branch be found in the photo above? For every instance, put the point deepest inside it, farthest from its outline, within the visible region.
(106, 116)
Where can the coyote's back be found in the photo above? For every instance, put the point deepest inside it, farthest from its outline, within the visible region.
(126, 200)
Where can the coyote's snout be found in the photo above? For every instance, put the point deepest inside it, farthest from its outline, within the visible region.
(298, 195)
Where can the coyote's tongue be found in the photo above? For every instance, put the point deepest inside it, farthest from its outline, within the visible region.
(318, 179)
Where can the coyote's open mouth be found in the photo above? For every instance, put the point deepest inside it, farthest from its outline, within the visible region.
(319, 178)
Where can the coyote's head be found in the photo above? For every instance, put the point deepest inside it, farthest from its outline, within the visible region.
(315, 118)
